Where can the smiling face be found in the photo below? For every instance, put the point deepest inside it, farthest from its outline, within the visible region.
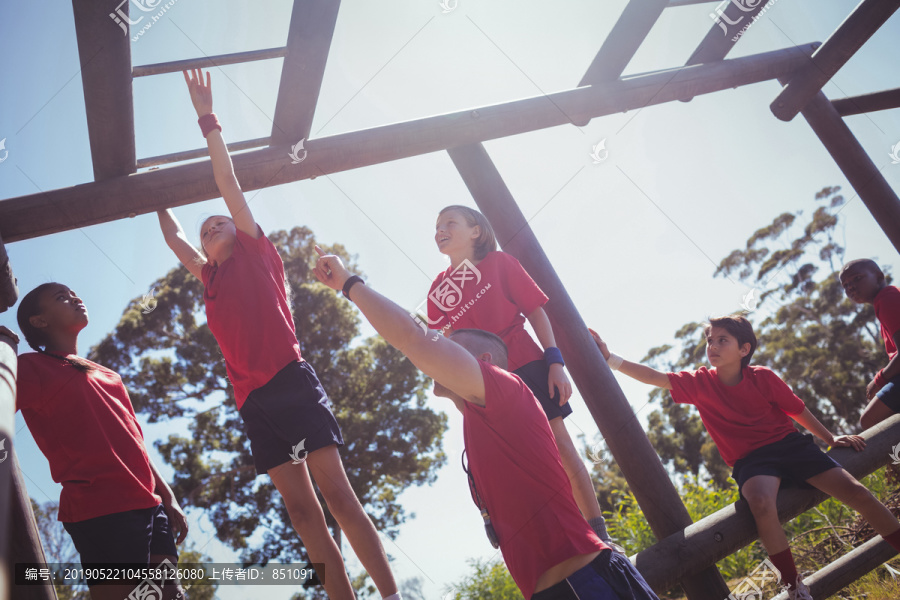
(453, 235)
(722, 348)
(862, 282)
(61, 310)
(217, 236)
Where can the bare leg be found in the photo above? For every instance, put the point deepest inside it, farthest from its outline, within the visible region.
(839, 484)
(306, 514)
(760, 493)
(328, 471)
(876, 412)
(582, 486)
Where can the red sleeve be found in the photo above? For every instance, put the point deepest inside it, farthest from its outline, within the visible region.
(258, 245)
(28, 385)
(524, 292)
(685, 386)
(888, 312)
(781, 393)
(436, 317)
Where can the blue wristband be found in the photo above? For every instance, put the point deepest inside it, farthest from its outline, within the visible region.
(553, 356)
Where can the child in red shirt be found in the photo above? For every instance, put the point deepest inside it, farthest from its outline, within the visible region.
(489, 290)
(748, 411)
(864, 283)
(114, 503)
(293, 433)
(516, 476)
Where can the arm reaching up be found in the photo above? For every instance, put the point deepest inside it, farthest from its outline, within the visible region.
(223, 169)
(642, 373)
(176, 239)
(442, 359)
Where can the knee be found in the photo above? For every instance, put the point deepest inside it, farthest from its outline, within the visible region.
(761, 505)
(858, 496)
(343, 504)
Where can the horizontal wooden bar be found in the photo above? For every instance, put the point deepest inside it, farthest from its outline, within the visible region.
(849, 37)
(164, 159)
(865, 103)
(674, 3)
(845, 570)
(104, 54)
(627, 35)
(205, 62)
(88, 204)
(724, 532)
(719, 40)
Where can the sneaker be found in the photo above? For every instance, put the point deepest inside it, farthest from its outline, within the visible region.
(800, 592)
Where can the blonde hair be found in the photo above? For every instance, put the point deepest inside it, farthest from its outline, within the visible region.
(487, 241)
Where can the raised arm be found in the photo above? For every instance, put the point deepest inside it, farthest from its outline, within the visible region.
(440, 358)
(642, 373)
(175, 238)
(223, 169)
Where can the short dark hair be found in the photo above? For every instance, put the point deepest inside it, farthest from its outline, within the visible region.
(866, 263)
(29, 307)
(484, 341)
(738, 326)
(487, 241)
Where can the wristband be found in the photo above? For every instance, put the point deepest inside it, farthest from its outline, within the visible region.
(351, 281)
(208, 123)
(879, 379)
(614, 361)
(552, 356)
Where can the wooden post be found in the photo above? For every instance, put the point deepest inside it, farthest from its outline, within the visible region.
(9, 291)
(104, 51)
(865, 103)
(722, 533)
(849, 37)
(122, 197)
(25, 541)
(647, 478)
(8, 364)
(862, 173)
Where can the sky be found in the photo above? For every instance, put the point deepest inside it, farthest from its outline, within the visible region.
(639, 233)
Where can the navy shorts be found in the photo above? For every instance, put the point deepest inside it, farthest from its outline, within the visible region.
(610, 576)
(794, 459)
(288, 418)
(124, 537)
(535, 375)
(890, 394)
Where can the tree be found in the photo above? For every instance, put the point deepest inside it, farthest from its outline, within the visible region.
(174, 369)
(824, 346)
(486, 579)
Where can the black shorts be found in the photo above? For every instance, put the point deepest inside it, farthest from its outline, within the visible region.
(794, 459)
(124, 537)
(535, 375)
(890, 394)
(288, 418)
(610, 576)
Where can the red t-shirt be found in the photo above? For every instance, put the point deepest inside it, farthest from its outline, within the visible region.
(492, 296)
(248, 313)
(85, 425)
(743, 417)
(518, 474)
(887, 310)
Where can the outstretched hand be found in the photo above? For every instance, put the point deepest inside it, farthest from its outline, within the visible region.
(849, 441)
(600, 343)
(330, 270)
(8, 333)
(201, 94)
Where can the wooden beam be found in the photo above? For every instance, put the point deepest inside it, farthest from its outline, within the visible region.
(104, 51)
(675, 3)
(8, 364)
(25, 541)
(847, 569)
(88, 204)
(728, 24)
(866, 103)
(165, 159)
(309, 39)
(207, 61)
(646, 476)
(9, 291)
(859, 169)
(731, 528)
(849, 37)
(623, 41)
